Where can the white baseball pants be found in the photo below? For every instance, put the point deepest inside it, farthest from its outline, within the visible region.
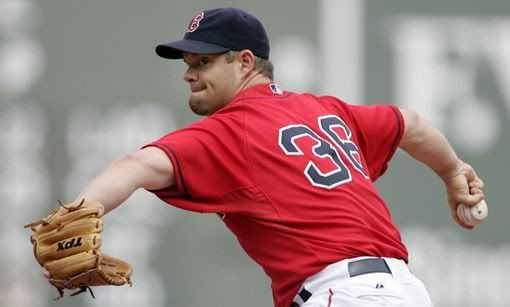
(371, 285)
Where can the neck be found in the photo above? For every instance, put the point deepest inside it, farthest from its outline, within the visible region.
(252, 80)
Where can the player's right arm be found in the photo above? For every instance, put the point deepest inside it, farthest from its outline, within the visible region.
(148, 168)
(428, 145)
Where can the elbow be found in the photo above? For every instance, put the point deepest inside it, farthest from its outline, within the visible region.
(413, 129)
(137, 168)
(152, 167)
(129, 160)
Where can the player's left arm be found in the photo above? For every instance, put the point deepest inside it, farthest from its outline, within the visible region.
(148, 168)
(428, 145)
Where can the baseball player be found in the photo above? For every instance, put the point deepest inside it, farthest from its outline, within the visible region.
(291, 175)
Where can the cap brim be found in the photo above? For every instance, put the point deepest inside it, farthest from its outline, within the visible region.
(174, 50)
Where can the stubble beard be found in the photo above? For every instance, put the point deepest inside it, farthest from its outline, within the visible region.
(198, 106)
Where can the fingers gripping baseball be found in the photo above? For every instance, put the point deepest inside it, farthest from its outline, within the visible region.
(67, 245)
(476, 186)
(465, 190)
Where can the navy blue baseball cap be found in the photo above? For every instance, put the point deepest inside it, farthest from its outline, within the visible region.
(218, 31)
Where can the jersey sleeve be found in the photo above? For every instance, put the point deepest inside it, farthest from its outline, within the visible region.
(209, 161)
(379, 131)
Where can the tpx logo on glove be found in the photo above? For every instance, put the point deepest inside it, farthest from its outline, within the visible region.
(66, 245)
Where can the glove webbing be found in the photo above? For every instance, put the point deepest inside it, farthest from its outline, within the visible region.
(82, 289)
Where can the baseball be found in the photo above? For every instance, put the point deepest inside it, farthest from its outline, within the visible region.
(473, 215)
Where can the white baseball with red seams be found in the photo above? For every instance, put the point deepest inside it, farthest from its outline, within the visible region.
(473, 215)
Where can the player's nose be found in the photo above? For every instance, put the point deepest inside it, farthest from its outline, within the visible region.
(189, 76)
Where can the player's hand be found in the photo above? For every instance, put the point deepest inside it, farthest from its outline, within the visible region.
(46, 274)
(67, 244)
(463, 186)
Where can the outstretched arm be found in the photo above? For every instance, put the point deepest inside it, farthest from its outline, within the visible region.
(148, 168)
(426, 144)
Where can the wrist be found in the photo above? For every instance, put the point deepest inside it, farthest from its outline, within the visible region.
(451, 170)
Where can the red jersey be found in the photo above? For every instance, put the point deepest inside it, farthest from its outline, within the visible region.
(292, 176)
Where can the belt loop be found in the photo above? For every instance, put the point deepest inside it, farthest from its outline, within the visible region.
(305, 295)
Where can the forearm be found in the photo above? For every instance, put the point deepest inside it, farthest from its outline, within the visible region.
(114, 185)
(148, 168)
(428, 145)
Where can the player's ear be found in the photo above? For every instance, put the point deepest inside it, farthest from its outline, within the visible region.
(247, 61)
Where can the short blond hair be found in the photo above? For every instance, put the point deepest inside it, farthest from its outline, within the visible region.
(263, 66)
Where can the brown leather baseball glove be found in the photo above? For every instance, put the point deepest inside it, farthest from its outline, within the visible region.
(67, 245)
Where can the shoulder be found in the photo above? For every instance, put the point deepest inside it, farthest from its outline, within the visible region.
(224, 123)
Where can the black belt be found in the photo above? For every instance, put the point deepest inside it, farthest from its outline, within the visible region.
(355, 268)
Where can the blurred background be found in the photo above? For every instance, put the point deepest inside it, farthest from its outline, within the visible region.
(80, 84)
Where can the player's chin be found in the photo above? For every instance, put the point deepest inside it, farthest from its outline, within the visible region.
(198, 106)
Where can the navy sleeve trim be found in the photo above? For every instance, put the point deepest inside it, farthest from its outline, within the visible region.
(181, 176)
